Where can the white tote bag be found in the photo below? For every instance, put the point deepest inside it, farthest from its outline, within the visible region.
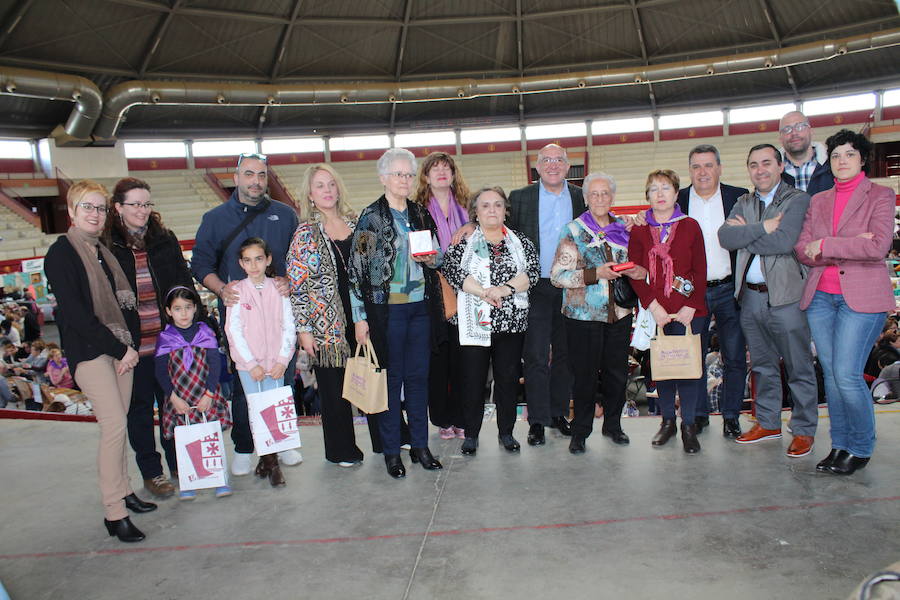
(200, 454)
(644, 329)
(273, 420)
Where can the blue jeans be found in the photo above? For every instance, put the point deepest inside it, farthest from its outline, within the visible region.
(252, 387)
(843, 338)
(409, 353)
(721, 303)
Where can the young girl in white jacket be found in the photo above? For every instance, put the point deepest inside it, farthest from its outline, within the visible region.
(261, 335)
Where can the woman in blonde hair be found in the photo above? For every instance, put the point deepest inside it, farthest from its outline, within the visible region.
(95, 307)
(320, 295)
(443, 191)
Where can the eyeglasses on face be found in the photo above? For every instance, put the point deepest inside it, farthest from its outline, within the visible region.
(256, 155)
(88, 207)
(402, 175)
(144, 205)
(798, 127)
(551, 160)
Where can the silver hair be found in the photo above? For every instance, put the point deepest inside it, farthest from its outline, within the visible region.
(384, 163)
(586, 185)
(565, 154)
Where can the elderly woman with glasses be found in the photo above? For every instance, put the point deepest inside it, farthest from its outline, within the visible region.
(151, 259)
(397, 300)
(95, 316)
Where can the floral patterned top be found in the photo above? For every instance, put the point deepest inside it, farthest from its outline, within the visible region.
(508, 318)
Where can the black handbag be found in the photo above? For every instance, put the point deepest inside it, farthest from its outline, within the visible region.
(623, 294)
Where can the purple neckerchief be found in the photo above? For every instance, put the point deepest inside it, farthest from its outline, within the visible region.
(676, 216)
(615, 232)
(170, 340)
(447, 225)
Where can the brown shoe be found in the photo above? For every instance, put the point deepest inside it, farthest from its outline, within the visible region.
(273, 469)
(160, 486)
(666, 430)
(800, 446)
(262, 467)
(758, 434)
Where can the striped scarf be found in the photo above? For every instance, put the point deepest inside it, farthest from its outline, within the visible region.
(148, 309)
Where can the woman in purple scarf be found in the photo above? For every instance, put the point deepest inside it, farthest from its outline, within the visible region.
(443, 191)
(598, 330)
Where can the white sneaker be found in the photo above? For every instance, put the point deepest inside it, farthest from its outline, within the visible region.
(240, 464)
(290, 458)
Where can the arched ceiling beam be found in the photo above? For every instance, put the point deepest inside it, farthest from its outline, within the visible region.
(773, 27)
(639, 30)
(162, 26)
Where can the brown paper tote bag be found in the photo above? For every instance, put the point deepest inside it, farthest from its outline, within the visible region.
(365, 382)
(675, 356)
(449, 297)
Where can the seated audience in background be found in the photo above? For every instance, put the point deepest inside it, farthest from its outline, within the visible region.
(58, 369)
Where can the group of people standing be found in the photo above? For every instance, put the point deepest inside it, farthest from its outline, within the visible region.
(537, 282)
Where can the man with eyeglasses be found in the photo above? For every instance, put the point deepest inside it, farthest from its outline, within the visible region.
(541, 211)
(806, 164)
(249, 212)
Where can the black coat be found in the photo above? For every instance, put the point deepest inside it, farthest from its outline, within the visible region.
(730, 195)
(167, 269)
(524, 212)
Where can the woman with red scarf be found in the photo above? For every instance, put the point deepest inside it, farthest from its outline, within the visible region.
(670, 246)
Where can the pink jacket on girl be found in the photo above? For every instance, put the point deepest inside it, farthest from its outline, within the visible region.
(260, 327)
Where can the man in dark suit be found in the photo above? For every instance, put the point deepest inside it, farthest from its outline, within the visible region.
(709, 202)
(540, 211)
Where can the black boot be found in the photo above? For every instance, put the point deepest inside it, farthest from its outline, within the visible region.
(666, 430)
(689, 438)
(824, 465)
(135, 504)
(124, 529)
(395, 466)
(424, 456)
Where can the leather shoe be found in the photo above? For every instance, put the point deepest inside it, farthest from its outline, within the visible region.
(701, 423)
(618, 437)
(424, 456)
(689, 438)
(124, 529)
(469, 446)
(801, 445)
(135, 504)
(395, 466)
(509, 442)
(824, 465)
(731, 428)
(576, 445)
(536, 435)
(562, 425)
(666, 430)
(847, 464)
(758, 434)
(268, 467)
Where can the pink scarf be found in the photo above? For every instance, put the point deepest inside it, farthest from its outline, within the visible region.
(660, 251)
(447, 225)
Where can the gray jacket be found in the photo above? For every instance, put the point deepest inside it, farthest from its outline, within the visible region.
(785, 275)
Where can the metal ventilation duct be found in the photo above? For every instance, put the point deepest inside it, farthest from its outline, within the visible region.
(57, 86)
(121, 97)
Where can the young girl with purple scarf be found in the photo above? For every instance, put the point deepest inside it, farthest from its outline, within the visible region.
(443, 191)
(188, 368)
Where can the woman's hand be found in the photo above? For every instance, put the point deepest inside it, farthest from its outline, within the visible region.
(605, 272)
(181, 407)
(205, 401)
(257, 373)
(685, 315)
(660, 315)
(277, 372)
(813, 249)
(494, 295)
(361, 332)
(868, 235)
(127, 362)
(426, 259)
(282, 285)
(308, 343)
(462, 233)
(636, 272)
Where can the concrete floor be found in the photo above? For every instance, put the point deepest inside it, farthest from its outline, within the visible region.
(635, 522)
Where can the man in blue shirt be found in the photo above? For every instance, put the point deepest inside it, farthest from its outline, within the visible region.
(215, 264)
(540, 211)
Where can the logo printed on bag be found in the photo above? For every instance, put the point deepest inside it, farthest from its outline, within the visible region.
(358, 381)
(206, 456)
(675, 354)
(280, 420)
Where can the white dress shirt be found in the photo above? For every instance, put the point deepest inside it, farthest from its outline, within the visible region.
(710, 214)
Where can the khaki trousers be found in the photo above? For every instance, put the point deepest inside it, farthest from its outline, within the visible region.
(110, 395)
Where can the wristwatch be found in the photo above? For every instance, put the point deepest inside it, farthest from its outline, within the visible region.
(513, 289)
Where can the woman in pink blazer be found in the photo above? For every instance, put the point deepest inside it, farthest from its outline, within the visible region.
(845, 238)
